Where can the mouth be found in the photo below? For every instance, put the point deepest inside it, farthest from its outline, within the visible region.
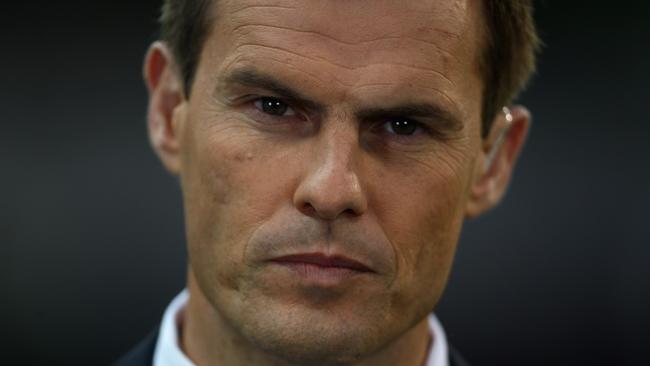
(321, 269)
(322, 261)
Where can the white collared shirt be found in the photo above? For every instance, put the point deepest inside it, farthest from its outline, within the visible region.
(168, 351)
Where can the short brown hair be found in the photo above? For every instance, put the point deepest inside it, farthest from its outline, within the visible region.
(507, 62)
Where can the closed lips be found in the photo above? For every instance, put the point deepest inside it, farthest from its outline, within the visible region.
(323, 260)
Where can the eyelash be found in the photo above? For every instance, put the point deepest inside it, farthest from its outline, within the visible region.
(260, 103)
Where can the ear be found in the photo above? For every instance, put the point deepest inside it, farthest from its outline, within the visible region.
(166, 101)
(497, 160)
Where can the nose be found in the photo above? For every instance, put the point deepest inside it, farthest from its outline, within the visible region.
(331, 187)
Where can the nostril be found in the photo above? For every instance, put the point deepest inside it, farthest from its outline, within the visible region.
(308, 209)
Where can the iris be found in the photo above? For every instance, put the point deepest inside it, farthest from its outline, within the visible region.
(273, 106)
(403, 127)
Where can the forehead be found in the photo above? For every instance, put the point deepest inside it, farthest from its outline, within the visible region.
(355, 47)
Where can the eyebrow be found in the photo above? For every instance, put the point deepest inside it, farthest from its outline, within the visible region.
(251, 77)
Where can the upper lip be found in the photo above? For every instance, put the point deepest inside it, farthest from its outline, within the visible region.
(323, 260)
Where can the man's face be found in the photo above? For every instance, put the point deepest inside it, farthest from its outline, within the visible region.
(327, 153)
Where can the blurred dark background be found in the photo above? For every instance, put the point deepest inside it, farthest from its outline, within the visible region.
(91, 233)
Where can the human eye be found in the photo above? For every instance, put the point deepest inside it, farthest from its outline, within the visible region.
(274, 107)
(403, 127)
(274, 114)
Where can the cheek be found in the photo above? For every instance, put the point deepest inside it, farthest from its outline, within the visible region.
(231, 186)
(424, 226)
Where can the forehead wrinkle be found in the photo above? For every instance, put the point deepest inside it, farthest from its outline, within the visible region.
(408, 23)
(420, 70)
(388, 17)
(286, 66)
(243, 59)
(362, 50)
(421, 16)
(353, 68)
(285, 61)
(291, 52)
(361, 42)
(262, 6)
(425, 20)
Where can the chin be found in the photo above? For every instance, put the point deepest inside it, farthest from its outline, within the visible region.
(307, 336)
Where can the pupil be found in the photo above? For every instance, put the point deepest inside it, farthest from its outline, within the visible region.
(404, 127)
(274, 106)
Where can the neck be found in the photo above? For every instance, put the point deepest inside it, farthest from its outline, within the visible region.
(209, 339)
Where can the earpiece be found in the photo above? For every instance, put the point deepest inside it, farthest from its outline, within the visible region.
(499, 140)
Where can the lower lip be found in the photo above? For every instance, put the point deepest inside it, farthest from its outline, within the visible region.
(321, 275)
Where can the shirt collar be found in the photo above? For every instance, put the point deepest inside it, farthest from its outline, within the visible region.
(168, 351)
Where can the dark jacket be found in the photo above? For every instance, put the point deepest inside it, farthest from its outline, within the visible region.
(142, 354)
